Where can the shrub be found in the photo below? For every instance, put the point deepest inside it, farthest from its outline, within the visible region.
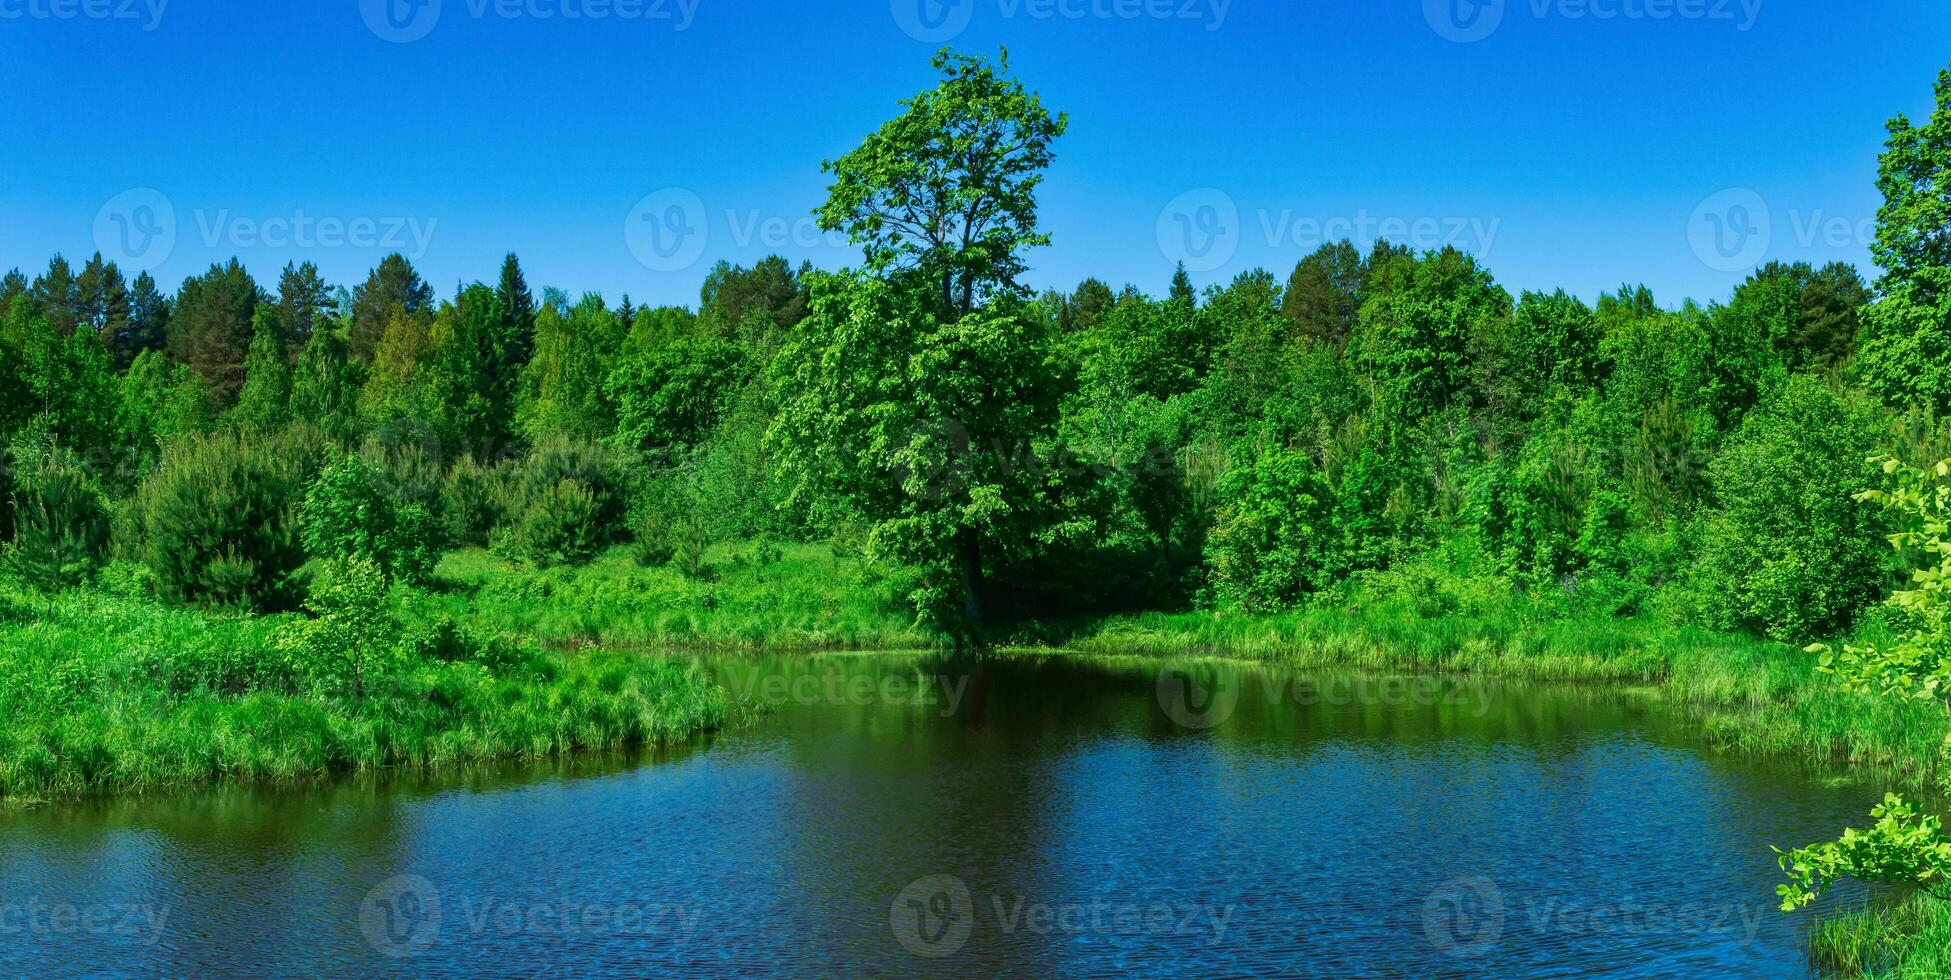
(564, 526)
(524, 484)
(347, 514)
(61, 525)
(653, 540)
(468, 508)
(354, 637)
(1787, 550)
(220, 518)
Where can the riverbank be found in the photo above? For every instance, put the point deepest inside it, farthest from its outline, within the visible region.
(108, 693)
(1752, 694)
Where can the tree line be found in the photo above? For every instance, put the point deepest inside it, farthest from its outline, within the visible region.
(1249, 446)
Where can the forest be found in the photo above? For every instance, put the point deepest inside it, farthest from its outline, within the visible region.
(267, 527)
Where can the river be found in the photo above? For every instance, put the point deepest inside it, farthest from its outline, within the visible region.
(1030, 816)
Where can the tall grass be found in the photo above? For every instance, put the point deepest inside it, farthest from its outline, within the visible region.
(105, 693)
(1910, 940)
(802, 598)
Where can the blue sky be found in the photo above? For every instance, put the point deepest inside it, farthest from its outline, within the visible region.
(1573, 143)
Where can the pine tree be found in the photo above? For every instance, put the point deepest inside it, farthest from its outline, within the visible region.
(60, 521)
(56, 295)
(147, 325)
(211, 327)
(102, 298)
(11, 285)
(392, 286)
(517, 342)
(1182, 291)
(304, 302)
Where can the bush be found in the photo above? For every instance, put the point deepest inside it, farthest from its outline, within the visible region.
(1788, 551)
(468, 508)
(354, 638)
(564, 526)
(653, 540)
(61, 526)
(347, 515)
(220, 518)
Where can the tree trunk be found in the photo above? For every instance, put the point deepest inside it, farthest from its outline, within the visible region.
(970, 548)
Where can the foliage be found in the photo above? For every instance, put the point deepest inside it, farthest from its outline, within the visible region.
(210, 327)
(1906, 351)
(353, 635)
(928, 429)
(220, 518)
(562, 526)
(947, 190)
(1918, 663)
(264, 404)
(1270, 545)
(469, 503)
(347, 516)
(670, 396)
(1902, 847)
(60, 519)
(1785, 549)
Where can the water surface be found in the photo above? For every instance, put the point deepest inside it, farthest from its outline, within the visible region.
(896, 815)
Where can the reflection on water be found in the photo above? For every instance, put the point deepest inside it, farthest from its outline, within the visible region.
(1029, 816)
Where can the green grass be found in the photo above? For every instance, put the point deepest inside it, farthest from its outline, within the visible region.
(102, 693)
(1910, 940)
(806, 600)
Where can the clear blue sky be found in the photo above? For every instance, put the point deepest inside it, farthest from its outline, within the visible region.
(1572, 145)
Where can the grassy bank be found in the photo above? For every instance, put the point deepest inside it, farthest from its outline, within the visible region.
(1909, 941)
(113, 693)
(1752, 695)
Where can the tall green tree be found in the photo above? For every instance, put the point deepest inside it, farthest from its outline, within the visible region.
(946, 192)
(211, 327)
(101, 298)
(732, 294)
(517, 343)
(305, 303)
(264, 404)
(147, 326)
(1906, 350)
(392, 285)
(928, 430)
(563, 390)
(1414, 333)
(1324, 294)
(467, 368)
(326, 383)
(58, 296)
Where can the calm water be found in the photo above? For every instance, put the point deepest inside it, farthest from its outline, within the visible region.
(896, 816)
